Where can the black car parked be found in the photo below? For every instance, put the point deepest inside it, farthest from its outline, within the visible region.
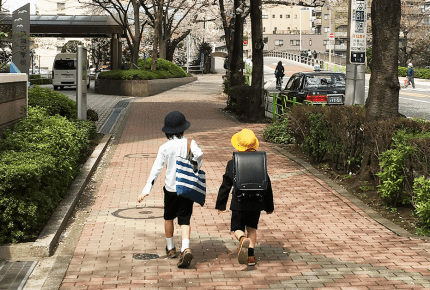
(318, 87)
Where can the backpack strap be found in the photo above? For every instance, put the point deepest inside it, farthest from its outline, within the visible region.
(189, 153)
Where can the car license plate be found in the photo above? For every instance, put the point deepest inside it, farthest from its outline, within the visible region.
(68, 76)
(335, 99)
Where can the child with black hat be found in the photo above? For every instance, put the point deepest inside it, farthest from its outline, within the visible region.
(174, 206)
(245, 211)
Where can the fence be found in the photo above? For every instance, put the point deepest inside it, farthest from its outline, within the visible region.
(274, 105)
(337, 64)
(294, 57)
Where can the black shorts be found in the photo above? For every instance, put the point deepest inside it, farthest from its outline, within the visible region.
(241, 219)
(177, 207)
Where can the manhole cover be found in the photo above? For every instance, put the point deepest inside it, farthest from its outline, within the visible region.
(147, 212)
(145, 256)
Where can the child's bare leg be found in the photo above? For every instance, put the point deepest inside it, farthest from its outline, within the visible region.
(168, 228)
(185, 231)
(239, 234)
(252, 235)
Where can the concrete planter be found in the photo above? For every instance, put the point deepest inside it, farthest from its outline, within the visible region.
(139, 88)
(13, 98)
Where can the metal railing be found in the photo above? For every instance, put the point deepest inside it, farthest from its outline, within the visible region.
(322, 60)
(294, 57)
(278, 109)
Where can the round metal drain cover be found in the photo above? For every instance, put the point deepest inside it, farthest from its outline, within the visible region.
(147, 212)
(145, 256)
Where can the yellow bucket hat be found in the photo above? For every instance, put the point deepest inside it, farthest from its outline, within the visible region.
(244, 140)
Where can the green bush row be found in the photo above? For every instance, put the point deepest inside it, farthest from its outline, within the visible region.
(164, 69)
(38, 80)
(38, 161)
(402, 146)
(422, 73)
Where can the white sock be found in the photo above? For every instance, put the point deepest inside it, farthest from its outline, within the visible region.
(170, 243)
(185, 244)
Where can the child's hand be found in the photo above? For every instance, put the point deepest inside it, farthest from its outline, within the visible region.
(142, 196)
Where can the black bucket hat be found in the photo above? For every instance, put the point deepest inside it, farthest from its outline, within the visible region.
(175, 122)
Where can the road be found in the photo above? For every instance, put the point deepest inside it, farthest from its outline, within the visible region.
(412, 102)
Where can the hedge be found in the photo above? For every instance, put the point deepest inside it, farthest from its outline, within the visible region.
(38, 161)
(402, 146)
(164, 69)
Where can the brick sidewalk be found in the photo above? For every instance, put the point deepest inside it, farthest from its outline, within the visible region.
(315, 239)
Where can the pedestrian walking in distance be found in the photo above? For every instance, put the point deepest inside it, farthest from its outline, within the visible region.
(174, 206)
(410, 75)
(245, 206)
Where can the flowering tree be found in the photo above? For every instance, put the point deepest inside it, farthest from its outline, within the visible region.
(127, 14)
(413, 30)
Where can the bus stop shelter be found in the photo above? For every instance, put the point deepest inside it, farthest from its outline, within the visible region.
(81, 26)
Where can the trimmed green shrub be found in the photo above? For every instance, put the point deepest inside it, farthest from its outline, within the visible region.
(172, 69)
(402, 71)
(38, 162)
(53, 101)
(279, 132)
(165, 69)
(422, 200)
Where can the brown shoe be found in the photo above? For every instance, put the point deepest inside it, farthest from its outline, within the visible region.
(242, 253)
(185, 258)
(251, 260)
(171, 253)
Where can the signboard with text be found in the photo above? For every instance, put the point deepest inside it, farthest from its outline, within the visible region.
(21, 38)
(358, 26)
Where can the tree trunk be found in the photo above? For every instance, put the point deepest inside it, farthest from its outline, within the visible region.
(383, 99)
(163, 47)
(157, 32)
(255, 110)
(171, 45)
(236, 61)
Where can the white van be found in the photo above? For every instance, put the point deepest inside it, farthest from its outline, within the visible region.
(64, 71)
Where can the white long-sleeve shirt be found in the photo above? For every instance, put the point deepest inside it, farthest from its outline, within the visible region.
(167, 155)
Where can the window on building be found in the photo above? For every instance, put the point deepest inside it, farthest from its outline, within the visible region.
(273, 16)
(61, 6)
(326, 29)
(287, 16)
(295, 16)
(264, 29)
(279, 42)
(265, 17)
(325, 42)
(295, 42)
(326, 16)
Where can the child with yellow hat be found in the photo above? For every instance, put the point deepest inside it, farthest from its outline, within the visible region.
(245, 211)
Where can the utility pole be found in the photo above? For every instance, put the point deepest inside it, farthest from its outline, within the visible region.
(356, 52)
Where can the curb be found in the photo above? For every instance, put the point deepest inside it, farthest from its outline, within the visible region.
(47, 240)
(351, 198)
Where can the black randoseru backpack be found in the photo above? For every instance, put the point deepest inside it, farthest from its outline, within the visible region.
(250, 174)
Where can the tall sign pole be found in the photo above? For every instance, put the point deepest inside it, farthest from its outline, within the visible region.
(356, 53)
(21, 38)
(81, 82)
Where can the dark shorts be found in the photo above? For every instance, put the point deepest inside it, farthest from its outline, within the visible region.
(241, 219)
(177, 207)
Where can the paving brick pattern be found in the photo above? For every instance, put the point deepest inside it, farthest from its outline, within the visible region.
(315, 239)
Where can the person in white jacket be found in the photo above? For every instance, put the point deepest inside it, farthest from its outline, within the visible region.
(174, 206)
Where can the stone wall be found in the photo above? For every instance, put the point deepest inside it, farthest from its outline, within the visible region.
(139, 88)
(13, 99)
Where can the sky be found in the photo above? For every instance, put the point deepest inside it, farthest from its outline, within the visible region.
(12, 5)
